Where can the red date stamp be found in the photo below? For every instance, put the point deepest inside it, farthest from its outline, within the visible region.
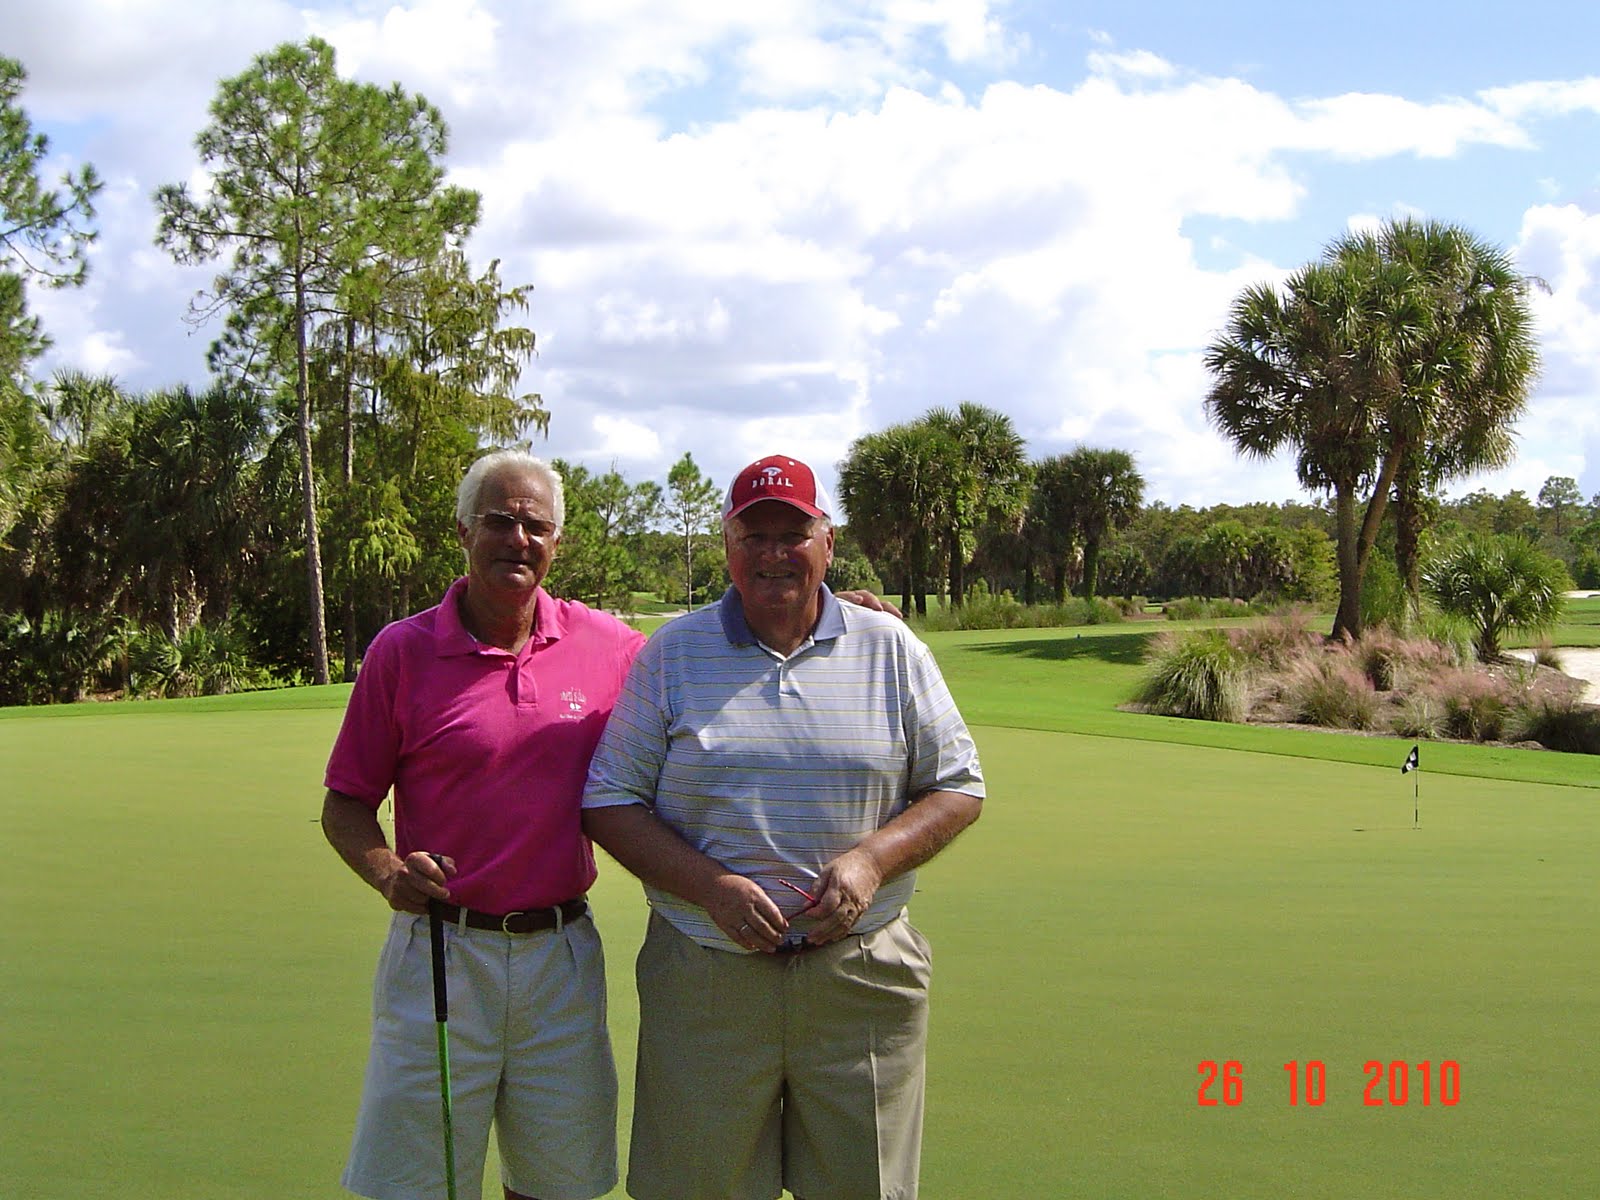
(1393, 1084)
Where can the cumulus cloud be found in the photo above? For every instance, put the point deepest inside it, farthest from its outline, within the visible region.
(1544, 98)
(754, 227)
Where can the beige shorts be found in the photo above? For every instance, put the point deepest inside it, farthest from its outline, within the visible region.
(760, 1072)
(529, 1053)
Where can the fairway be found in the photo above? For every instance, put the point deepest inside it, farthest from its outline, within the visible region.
(187, 964)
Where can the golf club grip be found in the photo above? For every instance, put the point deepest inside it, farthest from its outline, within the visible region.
(436, 938)
(441, 999)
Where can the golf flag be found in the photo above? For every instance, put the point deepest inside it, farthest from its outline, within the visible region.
(1411, 761)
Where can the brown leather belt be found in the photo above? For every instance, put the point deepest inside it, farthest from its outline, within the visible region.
(531, 921)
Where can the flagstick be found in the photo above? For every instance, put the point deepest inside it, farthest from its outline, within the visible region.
(1413, 763)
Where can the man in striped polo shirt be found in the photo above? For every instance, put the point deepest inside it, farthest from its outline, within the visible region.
(775, 769)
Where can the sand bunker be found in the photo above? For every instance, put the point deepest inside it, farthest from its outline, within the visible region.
(1581, 662)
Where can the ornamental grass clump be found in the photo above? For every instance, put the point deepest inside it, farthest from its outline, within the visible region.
(1475, 705)
(1198, 674)
(1419, 716)
(1332, 691)
(1394, 662)
(1546, 655)
(1278, 640)
(1557, 723)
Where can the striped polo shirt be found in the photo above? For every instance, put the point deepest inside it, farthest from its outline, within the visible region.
(776, 765)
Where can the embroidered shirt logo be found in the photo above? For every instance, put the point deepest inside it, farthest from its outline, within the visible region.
(573, 704)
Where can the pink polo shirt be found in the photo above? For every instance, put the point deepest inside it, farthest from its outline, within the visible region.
(486, 751)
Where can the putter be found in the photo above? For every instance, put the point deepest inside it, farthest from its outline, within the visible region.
(441, 1017)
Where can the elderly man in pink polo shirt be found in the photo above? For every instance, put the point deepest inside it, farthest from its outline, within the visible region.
(481, 716)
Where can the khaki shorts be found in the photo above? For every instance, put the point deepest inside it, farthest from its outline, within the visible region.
(760, 1072)
(529, 1053)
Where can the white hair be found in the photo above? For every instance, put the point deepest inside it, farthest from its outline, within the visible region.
(494, 463)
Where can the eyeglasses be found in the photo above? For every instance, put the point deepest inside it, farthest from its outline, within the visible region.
(780, 543)
(502, 523)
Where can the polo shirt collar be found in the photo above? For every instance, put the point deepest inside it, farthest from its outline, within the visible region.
(453, 639)
(830, 623)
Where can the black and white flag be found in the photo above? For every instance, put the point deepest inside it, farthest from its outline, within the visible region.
(1411, 761)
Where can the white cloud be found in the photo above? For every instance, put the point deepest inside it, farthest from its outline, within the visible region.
(434, 45)
(624, 439)
(1363, 126)
(1546, 98)
(781, 225)
(1140, 64)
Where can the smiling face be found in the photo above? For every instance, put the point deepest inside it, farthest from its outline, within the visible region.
(504, 556)
(777, 556)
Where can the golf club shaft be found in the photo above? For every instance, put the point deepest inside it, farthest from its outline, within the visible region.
(441, 1017)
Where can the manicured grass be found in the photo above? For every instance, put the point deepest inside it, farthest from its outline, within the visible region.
(188, 964)
(1071, 680)
(1125, 911)
(1580, 624)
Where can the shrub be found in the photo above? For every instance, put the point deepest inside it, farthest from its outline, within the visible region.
(1199, 608)
(1383, 594)
(1279, 639)
(1381, 654)
(202, 662)
(1557, 724)
(1419, 717)
(1475, 705)
(1500, 585)
(985, 611)
(1452, 634)
(56, 660)
(1199, 674)
(1332, 691)
(1546, 655)
(1394, 662)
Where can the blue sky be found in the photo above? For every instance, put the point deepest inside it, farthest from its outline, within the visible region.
(755, 228)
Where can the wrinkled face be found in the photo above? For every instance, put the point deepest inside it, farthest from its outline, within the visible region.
(777, 556)
(511, 541)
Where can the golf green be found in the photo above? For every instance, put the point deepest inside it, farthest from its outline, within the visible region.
(187, 964)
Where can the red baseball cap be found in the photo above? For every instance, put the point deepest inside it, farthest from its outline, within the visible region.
(777, 477)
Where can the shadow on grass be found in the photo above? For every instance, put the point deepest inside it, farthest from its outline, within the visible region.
(1127, 649)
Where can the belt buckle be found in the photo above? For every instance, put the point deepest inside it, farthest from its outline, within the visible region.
(793, 944)
(505, 922)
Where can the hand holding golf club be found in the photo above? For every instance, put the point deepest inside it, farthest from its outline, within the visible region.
(844, 890)
(422, 877)
(743, 910)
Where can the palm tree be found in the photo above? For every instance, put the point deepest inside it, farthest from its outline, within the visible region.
(895, 486)
(160, 510)
(989, 481)
(26, 451)
(1465, 373)
(1105, 490)
(77, 404)
(1313, 368)
(1499, 584)
(1050, 526)
(1225, 554)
